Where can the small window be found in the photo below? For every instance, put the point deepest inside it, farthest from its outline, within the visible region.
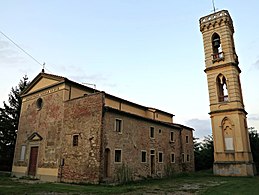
(160, 131)
(160, 157)
(39, 103)
(172, 136)
(118, 125)
(188, 158)
(152, 152)
(23, 149)
(75, 140)
(152, 132)
(172, 158)
(187, 139)
(117, 157)
(183, 157)
(143, 156)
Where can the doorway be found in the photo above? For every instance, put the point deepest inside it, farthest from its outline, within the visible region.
(33, 161)
(107, 161)
(152, 162)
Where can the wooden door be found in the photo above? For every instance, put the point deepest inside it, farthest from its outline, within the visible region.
(152, 164)
(33, 161)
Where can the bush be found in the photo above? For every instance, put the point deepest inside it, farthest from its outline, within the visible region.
(124, 174)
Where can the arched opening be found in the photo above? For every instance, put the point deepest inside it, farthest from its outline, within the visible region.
(222, 88)
(216, 47)
(107, 161)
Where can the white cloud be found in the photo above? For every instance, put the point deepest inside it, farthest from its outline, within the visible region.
(256, 64)
(202, 127)
(253, 117)
(4, 44)
(8, 55)
(92, 78)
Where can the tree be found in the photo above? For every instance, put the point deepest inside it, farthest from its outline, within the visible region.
(9, 120)
(254, 143)
(204, 153)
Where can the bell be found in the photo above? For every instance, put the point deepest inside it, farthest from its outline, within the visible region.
(216, 42)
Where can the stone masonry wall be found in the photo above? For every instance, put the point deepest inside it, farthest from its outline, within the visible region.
(135, 138)
(187, 149)
(83, 117)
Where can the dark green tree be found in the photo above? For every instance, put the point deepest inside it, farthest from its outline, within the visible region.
(204, 153)
(9, 120)
(254, 143)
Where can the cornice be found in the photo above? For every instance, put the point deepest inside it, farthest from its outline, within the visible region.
(222, 66)
(228, 110)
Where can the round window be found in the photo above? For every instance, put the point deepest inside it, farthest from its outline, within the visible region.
(39, 103)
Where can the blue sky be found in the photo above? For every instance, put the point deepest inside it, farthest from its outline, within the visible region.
(146, 51)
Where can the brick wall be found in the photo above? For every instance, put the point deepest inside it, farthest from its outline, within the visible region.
(187, 150)
(135, 138)
(82, 117)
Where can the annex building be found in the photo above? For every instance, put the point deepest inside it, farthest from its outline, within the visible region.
(69, 132)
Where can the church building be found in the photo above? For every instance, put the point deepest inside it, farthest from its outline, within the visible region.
(69, 132)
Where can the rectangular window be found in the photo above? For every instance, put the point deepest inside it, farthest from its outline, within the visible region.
(183, 157)
(172, 158)
(171, 136)
(188, 158)
(160, 157)
(152, 132)
(143, 156)
(23, 149)
(75, 140)
(118, 125)
(152, 151)
(117, 156)
(187, 139)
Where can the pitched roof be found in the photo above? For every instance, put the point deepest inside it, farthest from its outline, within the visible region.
(40, 76)
(61, 79)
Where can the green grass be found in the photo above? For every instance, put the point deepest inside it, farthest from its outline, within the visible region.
(235, 185)
(198, 183)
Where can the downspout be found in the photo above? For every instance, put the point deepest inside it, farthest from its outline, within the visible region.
(181, 149)
(102, 144)
(69, 96)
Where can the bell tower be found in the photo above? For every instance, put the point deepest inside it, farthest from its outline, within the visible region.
(232, 153)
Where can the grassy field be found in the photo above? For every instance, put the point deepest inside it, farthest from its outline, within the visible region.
(198, 183)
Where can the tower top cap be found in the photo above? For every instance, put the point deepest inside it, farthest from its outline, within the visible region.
(214, 16)
(217, 18)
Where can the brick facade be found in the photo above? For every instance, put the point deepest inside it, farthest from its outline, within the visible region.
(80, 138)
(82, 117)
(135, 138)
(48, 124)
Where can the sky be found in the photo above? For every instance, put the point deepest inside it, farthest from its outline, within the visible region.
(149, 52)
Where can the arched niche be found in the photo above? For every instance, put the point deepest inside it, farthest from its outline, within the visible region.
(228, 134)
